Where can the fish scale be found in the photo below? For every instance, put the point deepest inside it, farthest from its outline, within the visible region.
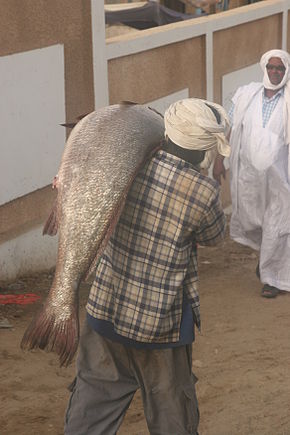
(102, 156)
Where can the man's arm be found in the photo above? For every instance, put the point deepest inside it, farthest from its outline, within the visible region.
(219, 169)
(213, 225)
(55, 182)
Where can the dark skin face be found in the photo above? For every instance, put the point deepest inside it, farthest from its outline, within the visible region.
(276, 72)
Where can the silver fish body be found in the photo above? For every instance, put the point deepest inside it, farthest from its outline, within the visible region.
(101, 158)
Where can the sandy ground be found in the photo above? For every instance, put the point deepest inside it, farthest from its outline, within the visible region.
(242, 357)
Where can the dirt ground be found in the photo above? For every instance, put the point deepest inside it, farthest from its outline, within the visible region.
(242, 357)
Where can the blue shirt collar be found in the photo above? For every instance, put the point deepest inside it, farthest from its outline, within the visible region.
(280, 92)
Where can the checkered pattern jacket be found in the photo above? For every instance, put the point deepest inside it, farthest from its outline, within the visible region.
(151, 258)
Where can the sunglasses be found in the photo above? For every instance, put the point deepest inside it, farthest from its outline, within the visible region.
(279, 68)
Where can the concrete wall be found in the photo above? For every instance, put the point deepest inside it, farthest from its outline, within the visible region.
(196, 53)
(32, 87)
(195, 58)
(242, 46)
(176, 66)
(32, 140)
(33, 24)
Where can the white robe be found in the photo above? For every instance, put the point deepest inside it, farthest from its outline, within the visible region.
(259, 184)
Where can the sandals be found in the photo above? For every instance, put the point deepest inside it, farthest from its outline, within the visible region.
(268, 291)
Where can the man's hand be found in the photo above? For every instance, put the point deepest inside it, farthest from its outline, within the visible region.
(55, 182)
(219, 169)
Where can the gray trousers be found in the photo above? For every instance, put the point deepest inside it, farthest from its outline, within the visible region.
(108, 375)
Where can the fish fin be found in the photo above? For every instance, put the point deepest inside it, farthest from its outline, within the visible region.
(128, 103)
(73, 124)
(156, 111)
(69, 124)
(132, 103)
(78, 118)
(51, 225)
(61, 337)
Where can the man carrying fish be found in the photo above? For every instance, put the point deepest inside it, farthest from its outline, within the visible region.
(144, 302)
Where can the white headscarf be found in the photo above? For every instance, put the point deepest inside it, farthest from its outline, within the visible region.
(285, 58)
(191, 124)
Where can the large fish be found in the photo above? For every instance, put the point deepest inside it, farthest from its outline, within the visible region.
(102, 156)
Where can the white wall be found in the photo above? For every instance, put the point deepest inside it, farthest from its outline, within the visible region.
(163, 103)
(100, 67)
(243, 76)
(30, 252)
(32, 105)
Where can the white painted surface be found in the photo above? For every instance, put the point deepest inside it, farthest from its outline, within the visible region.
(232, 81)
(163, 103)
(101, 87)
(209, 65)
(284, 28)
(32, 106)
(123, 6)
(32, 89)
(31, 252)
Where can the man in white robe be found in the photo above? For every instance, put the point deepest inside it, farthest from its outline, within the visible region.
(259, 171)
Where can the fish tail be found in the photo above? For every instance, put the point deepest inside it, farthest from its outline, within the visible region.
(61, 337)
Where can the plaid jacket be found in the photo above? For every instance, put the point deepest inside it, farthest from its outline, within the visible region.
(151, 257)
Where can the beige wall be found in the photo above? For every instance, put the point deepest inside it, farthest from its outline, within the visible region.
(23, 214)
(142, 77)
(155, 73)
(243, 45)
(152, 74)
(288, 34)
(43, 23)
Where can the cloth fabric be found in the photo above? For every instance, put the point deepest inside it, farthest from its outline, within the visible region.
(259, 183)
(191, 124)
(151, 258)
(108, 375)
(285, 83)
(186, 336)
(268, 106)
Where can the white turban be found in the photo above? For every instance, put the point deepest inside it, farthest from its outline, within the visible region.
(191, 124)
(285, 58)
